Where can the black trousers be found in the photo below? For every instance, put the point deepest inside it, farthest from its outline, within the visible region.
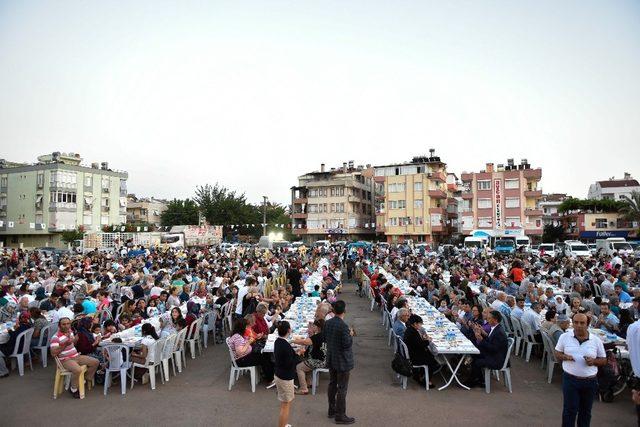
(258, 359)
(337, 392)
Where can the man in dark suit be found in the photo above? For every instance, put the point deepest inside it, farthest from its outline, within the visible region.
(340, 362)
(493, 348)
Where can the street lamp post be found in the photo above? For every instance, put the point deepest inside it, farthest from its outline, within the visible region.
(264, 216)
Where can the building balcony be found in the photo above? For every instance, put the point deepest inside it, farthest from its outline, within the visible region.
(300, 200)
(105, 189)
(299, 231)
(532, 173)
(379, 179)
(533, 212)
(104, 208)
(299, 215)
(467, 195)
(466, 177)
(436, 211)
(437, 194)
(63, 186)
(452, 214)
(437, 176)
(532, 193)
(437, 228)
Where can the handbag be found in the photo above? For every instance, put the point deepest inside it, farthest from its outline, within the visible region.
(401, 365)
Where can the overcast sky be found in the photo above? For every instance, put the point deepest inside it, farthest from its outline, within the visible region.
(254, 94)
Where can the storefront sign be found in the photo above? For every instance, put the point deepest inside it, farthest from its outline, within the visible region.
(497, 185)
(603, 234)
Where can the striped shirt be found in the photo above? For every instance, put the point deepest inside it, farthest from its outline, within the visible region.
(69, 352)
(237, 341)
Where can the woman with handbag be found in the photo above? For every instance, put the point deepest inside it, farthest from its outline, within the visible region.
(315, 355)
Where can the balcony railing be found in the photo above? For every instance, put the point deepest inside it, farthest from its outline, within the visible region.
(437, 194)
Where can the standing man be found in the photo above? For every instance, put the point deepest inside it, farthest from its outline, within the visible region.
(581, 353)
(633, 341)
(285, 371)
(340, 362)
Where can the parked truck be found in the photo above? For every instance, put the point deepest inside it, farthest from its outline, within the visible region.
(613, 245)
(186, 236)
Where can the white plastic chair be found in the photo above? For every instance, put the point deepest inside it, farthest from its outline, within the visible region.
(179, 357)
(208, 325)
(529, 339)
(517, 333)
(193, 337)
(117, 362)
(153, 361)
(236, 370)
(21, 349)
(167, 355)
(505, 370)
(315, 378)
(549, 355)
(404, 352)
(44, 341)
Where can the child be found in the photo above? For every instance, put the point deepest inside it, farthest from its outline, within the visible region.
(316, 291)
(443, 307)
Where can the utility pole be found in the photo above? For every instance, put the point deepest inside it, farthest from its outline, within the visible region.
(264, 216)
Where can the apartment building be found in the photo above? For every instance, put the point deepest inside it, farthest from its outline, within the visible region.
(335, 204)
(549, 203)
(411, 200)
(502, 197)
(145, 210)
(57, 193)
(613, 188)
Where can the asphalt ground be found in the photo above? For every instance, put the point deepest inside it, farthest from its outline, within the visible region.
(199, 395)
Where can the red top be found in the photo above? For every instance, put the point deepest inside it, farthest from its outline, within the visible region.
(260, 326)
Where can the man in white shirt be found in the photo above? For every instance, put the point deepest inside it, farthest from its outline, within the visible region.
(581, 353)
(531, 318)
(243, 289)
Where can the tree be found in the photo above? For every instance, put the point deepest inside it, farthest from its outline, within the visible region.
(553, 233)
(69, 236)
(220, 206)
(180, 212)
(591, 205)
(630, 208)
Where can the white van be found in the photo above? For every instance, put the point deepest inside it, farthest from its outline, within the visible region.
(614, 245)
(471, 242)
(549, 249)
(523, 242)
(576, 249)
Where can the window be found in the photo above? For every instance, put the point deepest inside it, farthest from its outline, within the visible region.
(417, 187)
(40, 180)
(313, 209)
(393, 204)
(417, 204)
(104, 220)
(106, 182)
(88, 202)
(513, 221)
(601, 222)
(512, 202)
(484, 203)
(485, 222)
(396, 188)
(87, 219)
(39, 202)
(88, 181)
(105, 202)
(484, 185)
(419, 220)
(511, 183)
(393, 221)
(313, 192)
(340, 207)
(39, 218)
(402, 204)
(3, 202)
(4, 181)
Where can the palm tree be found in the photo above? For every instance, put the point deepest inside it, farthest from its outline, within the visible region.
(631, 207)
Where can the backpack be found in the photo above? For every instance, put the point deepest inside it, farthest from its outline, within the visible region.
(401, 365)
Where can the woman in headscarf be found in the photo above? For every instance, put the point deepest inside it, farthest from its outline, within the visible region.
(193, 312)
(87, 342)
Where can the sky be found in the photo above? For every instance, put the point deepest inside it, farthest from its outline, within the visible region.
(254, 94)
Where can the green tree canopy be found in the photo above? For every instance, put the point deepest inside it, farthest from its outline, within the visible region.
(180, 212)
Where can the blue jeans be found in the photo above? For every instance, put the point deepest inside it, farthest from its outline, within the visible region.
(578, 399)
